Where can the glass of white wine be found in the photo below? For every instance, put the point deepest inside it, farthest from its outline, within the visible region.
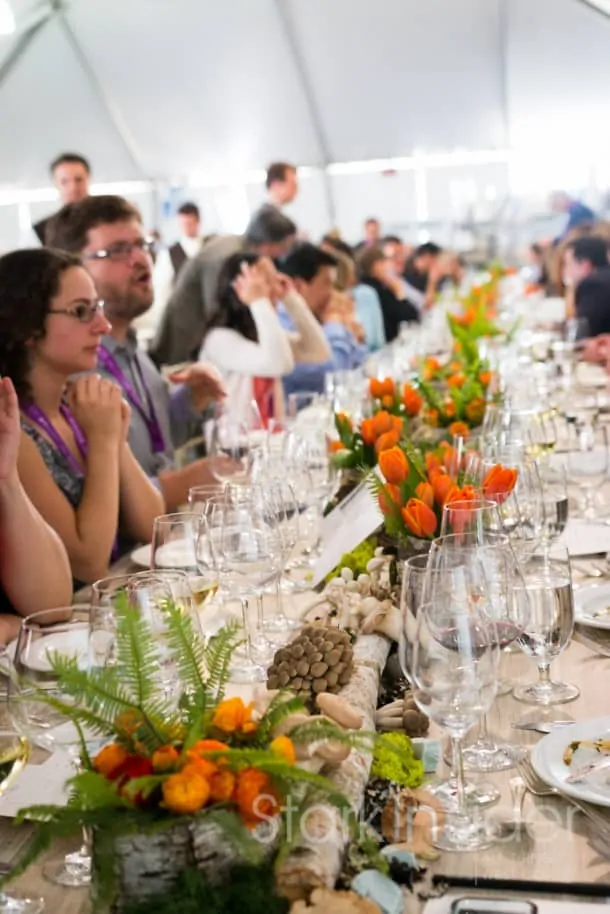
(182, 542)
(14, 752)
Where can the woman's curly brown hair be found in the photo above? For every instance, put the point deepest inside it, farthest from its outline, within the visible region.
(29, 279)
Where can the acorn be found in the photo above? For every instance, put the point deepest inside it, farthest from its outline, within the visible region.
(318, 660)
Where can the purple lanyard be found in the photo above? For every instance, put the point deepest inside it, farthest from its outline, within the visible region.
(35, 414)
(147, 412)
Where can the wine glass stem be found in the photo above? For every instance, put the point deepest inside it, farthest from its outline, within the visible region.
(260, 613)
(544, 674)
(458, 773)
(246, 625)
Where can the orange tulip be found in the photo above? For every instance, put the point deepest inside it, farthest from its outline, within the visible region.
(449, 409)
(425, 493)
(387, 401)
(432, 461)
(337, 446)
(419, 518)
(382, 423)
(379, 389)
(459, 430)
(367, 430)
(475, 410)
(485, 378)
(394, 465)
(499, 482)
(387, 441)
(431, 417)
(456, 380)
(397, 424)
(442, 484)
(344, 419)
(448, 457)
(388, 498)
(412, 400)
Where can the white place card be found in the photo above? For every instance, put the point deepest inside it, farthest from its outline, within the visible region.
(351, 522)
(39, 784)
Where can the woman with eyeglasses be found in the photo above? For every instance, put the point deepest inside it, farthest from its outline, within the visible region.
(74, 460)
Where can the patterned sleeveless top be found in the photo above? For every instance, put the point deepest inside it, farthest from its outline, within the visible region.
(67, 480)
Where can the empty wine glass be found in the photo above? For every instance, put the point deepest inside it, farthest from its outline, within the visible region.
(587, 460)
(199, 496)
(549, 587)
(478, 516)
(14, 753)
(453, 666)
(229, 440)
(556, 504)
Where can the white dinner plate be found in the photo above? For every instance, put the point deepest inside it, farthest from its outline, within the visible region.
(141, 556)
(591, 375)
(547, 760)
(72, 643)
(583, 537)
(590, 603)
(177, 554)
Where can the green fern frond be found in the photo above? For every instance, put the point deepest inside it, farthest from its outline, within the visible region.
(281, 707)
(415, 459)
(137, 654)
(218, 659)
(90, 790)
(321, 729)
(187, 648)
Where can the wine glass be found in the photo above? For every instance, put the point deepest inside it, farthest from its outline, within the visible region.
(556, 504)
(230, 440)
(14, 753)
(64, 631)
(199, 496)
(587, 460)
(453, 667)
(182, 542)
(549, 587)
(466, 517)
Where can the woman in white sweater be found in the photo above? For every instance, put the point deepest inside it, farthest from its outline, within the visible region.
(246, 341)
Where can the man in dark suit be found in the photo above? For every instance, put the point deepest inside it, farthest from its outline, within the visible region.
(71, 175)
(587, 269)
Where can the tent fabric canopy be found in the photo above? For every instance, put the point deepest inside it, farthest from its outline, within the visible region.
(177, 88)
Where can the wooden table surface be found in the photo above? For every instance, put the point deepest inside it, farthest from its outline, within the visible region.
(556, 847)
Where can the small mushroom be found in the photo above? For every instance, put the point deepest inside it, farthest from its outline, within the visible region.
(331, 751)
(339, 710)
(384, 620)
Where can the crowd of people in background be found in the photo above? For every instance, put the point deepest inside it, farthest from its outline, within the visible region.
(90, 418)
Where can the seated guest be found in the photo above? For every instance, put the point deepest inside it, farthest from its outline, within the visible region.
(313, 273)
(74, 460)
(106, 232)
(358, 303)
(374, 271)
(193, 301)
(587, 272)
(71, 175)
(247, 342)
(419, 267)
(24, 535)
(576, 212)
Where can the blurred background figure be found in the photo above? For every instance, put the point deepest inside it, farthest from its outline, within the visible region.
(71, 174)
(372, 234)
(577, 213)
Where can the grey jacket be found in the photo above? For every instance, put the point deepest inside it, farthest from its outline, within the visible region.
(192, 303)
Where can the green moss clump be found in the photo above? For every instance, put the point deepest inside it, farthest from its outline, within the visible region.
(394, 760)
(357, 559)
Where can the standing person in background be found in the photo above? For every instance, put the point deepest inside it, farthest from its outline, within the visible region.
(195, 298)
(170, 261)
(106, 232)
(372, 235)
(282, 184)
(576, 212)
(375, 271)
(71, 175)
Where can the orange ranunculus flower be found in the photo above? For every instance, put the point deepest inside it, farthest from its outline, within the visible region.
(233, 716)
(485, 378)
(379, 389)
(185, 793)
(459, 430)
(382, 423)
(388, 498)
(197, 756)
(475, 410)
(456, 380)
(387, 401)
(204, 767)
(222, 786)
(367, 430)
(164, 759)
(386, 441)
(419, 518)
(344, 419)
(499, 482)
(283, 746)
(431, 417)
(108, 759)
(255, 797)
(394, 465)
(449, 409)
(337, 446)
(412, 400)
(425, 493)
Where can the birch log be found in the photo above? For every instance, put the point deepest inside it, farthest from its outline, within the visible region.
(318, 855)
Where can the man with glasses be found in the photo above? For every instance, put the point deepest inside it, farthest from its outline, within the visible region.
(106, 231)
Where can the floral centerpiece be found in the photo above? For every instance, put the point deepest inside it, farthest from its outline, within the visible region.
(199, 781)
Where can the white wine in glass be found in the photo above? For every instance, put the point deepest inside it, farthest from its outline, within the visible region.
(14, 753)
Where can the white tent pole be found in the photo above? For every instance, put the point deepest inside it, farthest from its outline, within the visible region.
(21, 45)
(107, 102)
(290, 37)
(503, 15)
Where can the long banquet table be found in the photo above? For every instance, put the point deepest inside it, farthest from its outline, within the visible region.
(556, 847)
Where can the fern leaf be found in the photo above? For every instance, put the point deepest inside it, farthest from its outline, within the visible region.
(218, 659)
(187, 648)
(279, 709)
(137, 654)
(415, 459)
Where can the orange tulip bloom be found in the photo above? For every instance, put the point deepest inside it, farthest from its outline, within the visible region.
(431, 363)
(344, 419)
(367, 430)
(337, 446)
(448, 457)
(431, 417)
(387, 401)
(387, 441)
(382, 423)
(456, 380)
(425, 493)
(379, 389)
(459, 430)
(394, 465)
(388, 498)
(419, 518)
(499, 482)
(432, 461)
(449, 409)
(412, 400)
(475, 410)
(397, 425)
(442, 484)
(485, 378)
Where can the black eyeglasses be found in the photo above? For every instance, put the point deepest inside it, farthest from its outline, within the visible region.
(122, 250)
(83, 312)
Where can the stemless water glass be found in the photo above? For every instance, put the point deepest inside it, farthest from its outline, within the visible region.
(14, 752)
(548, 581)
(587, 460)
(453, 667)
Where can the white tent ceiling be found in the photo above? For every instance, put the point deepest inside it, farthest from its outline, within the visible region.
(162, 88)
